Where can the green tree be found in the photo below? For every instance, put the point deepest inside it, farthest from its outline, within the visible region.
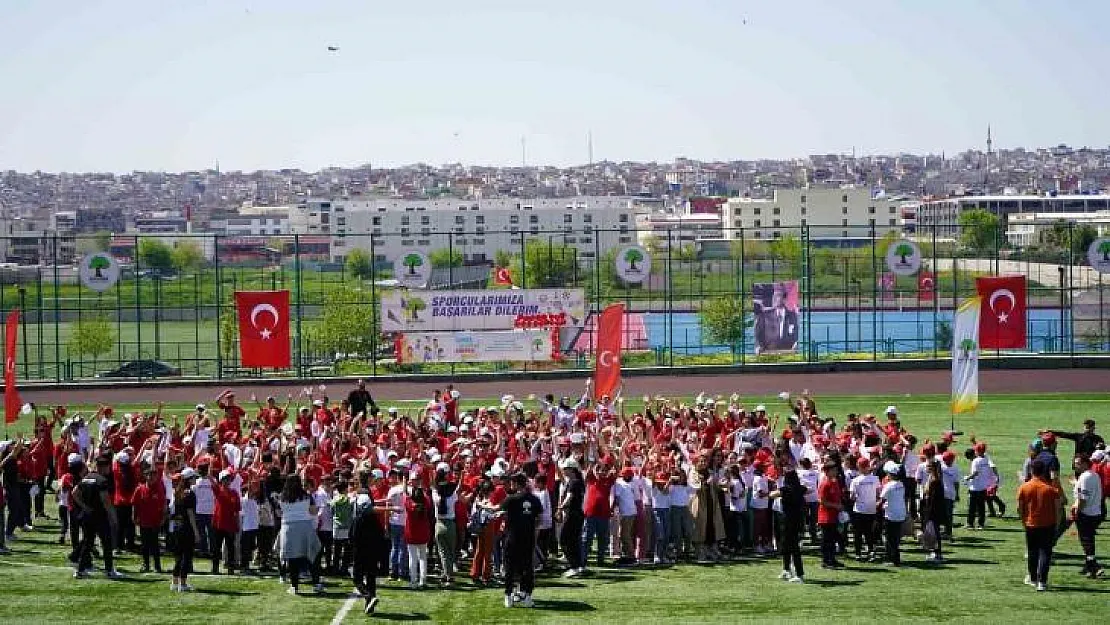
(903, 250)
(724, 321)
(1082, 237)
(359, 264)
(412, 261)
(92, 336)
(443, 258)
(414, 305)
(1104, 249)
(943, 335)
(787, 248)
(229, 330)
(633, 256)
(348, 324)
(503, 258)
(155, 255)
(547, 264)
(980, 230)
(685, 253)
(749, 249)
(98, 265)
(187, 257)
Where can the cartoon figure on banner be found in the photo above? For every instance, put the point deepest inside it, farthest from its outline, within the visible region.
(776, 316)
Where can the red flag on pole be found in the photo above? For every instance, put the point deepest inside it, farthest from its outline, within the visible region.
(926, 286)
(264, 328)
(1002, 321)
(12, 402)
(502, 275)
(607, 363)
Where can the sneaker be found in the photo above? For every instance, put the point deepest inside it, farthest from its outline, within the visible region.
(797, 580)
(113, 574)
(785, 575)
(281, 579)
(61, 540)
(292, 590)
(1096, 573)
(28, 528)
(1028, 581)
(175, 588)
(4, 551)
(526, 602)
(508, 601)
(145, 569)
(657, 561)
(1041, 587)
(569, 573)
(80, 575)
(185, 588)
(371, 605)
(318, 588)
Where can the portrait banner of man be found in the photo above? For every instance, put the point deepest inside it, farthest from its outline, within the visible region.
(777, 322)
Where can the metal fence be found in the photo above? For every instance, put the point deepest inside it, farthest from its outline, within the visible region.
(174, 301)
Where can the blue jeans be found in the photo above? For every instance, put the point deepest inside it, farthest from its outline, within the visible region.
(498, 552)
(661, 529)
(398, 552)
(598, 526)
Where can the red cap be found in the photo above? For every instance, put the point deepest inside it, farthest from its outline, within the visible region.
(1049, 439)
(787, 434)
(108, 411)
(661, 477)
(948, 456)
(929, 450)
(383, 439)
(864, 464)
(980, 448)
(627, 473)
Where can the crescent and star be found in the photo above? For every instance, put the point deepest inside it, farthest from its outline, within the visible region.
(1008, 294)
(265, 333)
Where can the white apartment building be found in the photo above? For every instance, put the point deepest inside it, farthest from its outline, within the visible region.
(944, 214)
(1024, 229)
(477, 229)
(254, 222)
(830, 213)
(659, 228)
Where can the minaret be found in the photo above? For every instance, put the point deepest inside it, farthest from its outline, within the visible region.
(987, 169)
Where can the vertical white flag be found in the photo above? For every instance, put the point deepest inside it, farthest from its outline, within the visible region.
(965, 356)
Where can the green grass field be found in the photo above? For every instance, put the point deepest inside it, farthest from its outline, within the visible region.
(980, 581)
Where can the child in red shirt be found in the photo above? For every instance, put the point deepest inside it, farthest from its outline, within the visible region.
(225, 521)
(150, 506)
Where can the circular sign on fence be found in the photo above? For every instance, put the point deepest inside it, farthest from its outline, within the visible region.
(1098, 255)
(412, 269)
(903, 257)
(99, 271)
(633, 264)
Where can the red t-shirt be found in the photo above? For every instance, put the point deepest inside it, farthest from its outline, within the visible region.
(228, 425)
(226, 515)
(829, 491)
(150, 504)
(418, 526)
(598, 490)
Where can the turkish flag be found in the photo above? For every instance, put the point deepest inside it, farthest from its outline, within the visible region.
(263, 328)
(501, 275)
(1002, 322)
(607, 361)
(12, 402)
(926, 286)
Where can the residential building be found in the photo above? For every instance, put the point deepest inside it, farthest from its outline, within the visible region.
(1024, 229)
(161, 222)
(657, 229)
(253, 221)
(944, 214)
(840, 213)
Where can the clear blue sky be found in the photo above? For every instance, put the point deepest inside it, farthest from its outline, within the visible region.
(176, 84)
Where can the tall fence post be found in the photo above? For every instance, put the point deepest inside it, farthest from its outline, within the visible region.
(670, 300)
(874, 300)
(57, 318)
(300, 298)
(219, 307)
(23, 328)
(743, 307)
(138, 307)
(936, 292)
(375, 321)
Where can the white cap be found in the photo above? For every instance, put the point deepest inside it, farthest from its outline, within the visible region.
(1098, 456)
(496, 471)
(506, 400)
(188, 473)
(443, 467)
(317, 402)
(891, 467)
(390, 453)
(431, 452)
(452, 429)
(891, 410)
(761, 408)
(123, 457)
(466, 453)
(377, 474)
(200, 408)
(225, 474)
(74, 459)
(404, 463)
(454, 394)
(128, 416)
(569, 463)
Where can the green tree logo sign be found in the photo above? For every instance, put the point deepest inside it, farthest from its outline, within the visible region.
(412, 269)
(903, 257)
(1098, 255)
(967, 346)
(633, 264)
(99, 271)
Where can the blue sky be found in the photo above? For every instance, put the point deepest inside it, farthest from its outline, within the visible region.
(176, 84)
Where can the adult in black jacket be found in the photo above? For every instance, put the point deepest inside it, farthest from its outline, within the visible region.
(367, 544)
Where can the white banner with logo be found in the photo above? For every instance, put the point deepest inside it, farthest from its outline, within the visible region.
(965, 356)
(424, 311)
(491, 346)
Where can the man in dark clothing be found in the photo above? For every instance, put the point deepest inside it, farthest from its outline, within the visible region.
(360, 399)
(97, 517)
(367, 540)
(521, 510)
(1086, 442)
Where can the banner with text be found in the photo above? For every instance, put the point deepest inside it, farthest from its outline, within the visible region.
(493, 346)
(479, 310)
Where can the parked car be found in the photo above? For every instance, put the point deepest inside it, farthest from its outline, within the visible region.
(142, 369)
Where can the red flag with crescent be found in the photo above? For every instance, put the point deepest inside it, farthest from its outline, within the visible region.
(12, 402)
(502, 276)
(1002, 320)
(926, 286)
(607, 361)
(263, 328)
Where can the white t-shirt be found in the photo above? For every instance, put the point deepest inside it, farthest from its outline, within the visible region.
(894, 498)
(449, 513)
(680, 496)
(1089, 488)
(737, 497)
(865, 491)
(545, 510)
(206, 500)
(911, 463)
(296, 511)
(396, 499)
(981, 470)
(248, 513)
(809, 478)
(324, 518)
(660, 499)
(759, 500)
(950, 476)
(625, 498)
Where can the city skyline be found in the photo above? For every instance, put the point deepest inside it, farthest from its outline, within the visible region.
(124, 86)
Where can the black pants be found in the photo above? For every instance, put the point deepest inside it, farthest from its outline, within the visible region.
(300, 565)
(976, 508)
(151, 547)
(518, 563)
(248, 539)
(893, 534)
(265, 543)
(830, 535)
(125, 534)
(222, 541)
(95, 526)
(323, 558)
(911, 496)
(570, 540)
(996, 506)
(14, 492)
(184, 546)
(863, 531)
(811, 520)
(341, 556)
(1038, 547)
(63, 520)
(364, 572)
(40, 498)
(1087, 526)
(791, 547)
